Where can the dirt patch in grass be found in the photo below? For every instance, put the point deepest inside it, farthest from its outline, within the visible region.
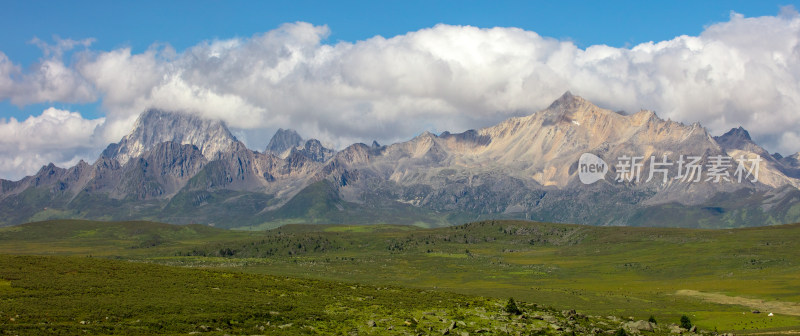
(787, 308)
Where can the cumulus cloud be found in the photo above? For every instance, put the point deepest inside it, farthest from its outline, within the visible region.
(57, 136)
(49, 80)
(744, 71)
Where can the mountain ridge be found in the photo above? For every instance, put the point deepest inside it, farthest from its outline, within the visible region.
(172, 164)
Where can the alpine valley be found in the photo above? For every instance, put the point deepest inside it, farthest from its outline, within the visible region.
(179, 168)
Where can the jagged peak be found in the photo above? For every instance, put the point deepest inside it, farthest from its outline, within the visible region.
(81, 165)
(568, 107)
(312, 142)
(646, 116)
(286, 132)
(48, 167)
(284, 139)
(315, 146)
(791, 160)
(153, 116)
(424, 135)
(738, 132)
(155, 126)
(312, 149)
(566, 101)
(355, 147)
(738, 138)
(471, 135)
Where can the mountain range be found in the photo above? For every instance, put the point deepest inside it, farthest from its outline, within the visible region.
(179, 168)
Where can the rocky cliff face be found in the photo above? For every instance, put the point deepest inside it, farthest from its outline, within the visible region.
(159, 172)
(153, 127)
(314, 151)
(792, 161)
(283, 140)
(182, 168)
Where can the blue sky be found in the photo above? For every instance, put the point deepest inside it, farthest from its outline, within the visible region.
(128, 65)
(185, 23)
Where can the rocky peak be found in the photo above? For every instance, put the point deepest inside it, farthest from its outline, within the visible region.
(357, 153)
(739, 133)
(283, 140)
(736, 138)
(156, 126)
(48, 174)
(314, 150)
(425, 136)
(792, 161)
(571, 109)
(469, 136)
(565, 101)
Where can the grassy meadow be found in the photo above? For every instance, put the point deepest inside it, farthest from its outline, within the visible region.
(718, 278)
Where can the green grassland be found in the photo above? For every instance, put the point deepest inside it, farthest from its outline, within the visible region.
(716, 277)
(74, 295)
(133, 238)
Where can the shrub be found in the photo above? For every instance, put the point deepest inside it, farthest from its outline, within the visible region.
(621, 332)
(652, 319)
(511, 307)
(686, 323)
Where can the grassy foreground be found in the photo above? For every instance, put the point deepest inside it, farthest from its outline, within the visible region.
(78, 295)
(716, 277)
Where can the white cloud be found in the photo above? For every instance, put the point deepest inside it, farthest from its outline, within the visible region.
(745, 71)
(49, 80)
(57, 136)
(61, 45)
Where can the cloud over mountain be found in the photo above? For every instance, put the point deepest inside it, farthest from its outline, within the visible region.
(745, 71)
(57, 136)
